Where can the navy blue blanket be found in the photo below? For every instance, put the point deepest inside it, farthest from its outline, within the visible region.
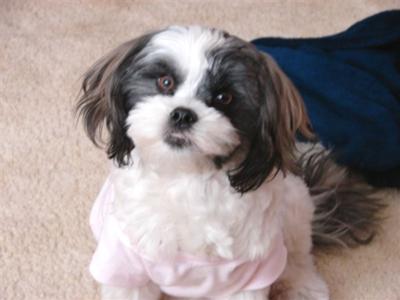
(350, 83)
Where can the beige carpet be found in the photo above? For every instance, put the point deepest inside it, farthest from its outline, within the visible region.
(50, 173)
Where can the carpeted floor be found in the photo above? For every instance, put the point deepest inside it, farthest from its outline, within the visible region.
(50, 173)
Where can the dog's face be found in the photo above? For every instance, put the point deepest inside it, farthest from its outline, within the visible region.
(190, 93)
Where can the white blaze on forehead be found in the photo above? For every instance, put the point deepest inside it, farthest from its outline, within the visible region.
(188, 48)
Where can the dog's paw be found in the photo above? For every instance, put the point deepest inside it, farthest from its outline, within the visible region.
(312, 289)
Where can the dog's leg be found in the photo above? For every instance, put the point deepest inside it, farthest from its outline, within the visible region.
(300, 279)
(148, 292)
(248, 295)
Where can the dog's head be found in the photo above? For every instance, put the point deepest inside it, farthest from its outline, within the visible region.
(195, 93)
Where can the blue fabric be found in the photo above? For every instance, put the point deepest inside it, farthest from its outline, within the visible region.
(350, 83)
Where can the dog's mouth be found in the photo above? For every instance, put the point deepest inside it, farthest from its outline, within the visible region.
(177, 140)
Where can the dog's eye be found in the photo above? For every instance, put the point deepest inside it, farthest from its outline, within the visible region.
(223, 98)
(166, 84)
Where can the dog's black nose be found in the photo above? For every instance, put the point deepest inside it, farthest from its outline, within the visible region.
(182, 118)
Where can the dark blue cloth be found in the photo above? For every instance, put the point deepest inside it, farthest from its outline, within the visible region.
(350, 83)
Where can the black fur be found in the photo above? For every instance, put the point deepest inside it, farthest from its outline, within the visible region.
(347, 212)
(239, 69)
(112, 87)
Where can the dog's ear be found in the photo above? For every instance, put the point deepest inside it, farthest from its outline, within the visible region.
(291, 113)
(102, 100)
(281, 116)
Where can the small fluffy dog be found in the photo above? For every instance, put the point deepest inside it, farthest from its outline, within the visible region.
(209, 197)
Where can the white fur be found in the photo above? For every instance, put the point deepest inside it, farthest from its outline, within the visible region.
(195, 212)
(175, 200)
(212, 135)
(199, 213)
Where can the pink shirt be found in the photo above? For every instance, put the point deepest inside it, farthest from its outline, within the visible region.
(117, 263)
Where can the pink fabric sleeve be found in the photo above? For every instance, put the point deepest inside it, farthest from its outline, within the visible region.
(111, 263)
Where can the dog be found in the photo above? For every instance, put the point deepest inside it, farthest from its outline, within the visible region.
(210, 195)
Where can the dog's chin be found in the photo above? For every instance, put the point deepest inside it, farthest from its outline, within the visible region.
(177, 141)
(179, 152)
